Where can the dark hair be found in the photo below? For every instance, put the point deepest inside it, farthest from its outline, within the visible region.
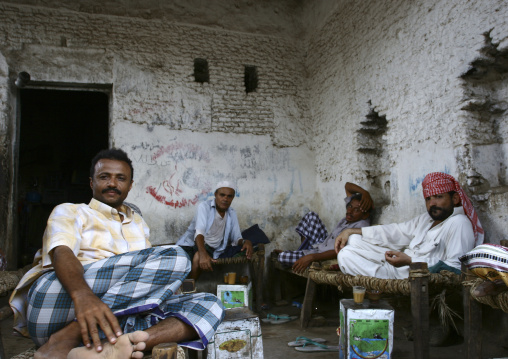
(357, 196)
(111, 154)
(451, 193)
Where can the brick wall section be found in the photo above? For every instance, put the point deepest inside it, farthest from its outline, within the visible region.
(166, 52)
(150, 64)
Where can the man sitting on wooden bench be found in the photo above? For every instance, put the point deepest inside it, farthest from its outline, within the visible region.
(316, 243)
(213, 228)
(99, 283)
(449, 230)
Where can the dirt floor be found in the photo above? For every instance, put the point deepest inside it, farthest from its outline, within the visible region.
(324, 325)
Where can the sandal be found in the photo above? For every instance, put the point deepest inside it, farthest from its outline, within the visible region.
(301, 341)
(278, 319)
(317, 347)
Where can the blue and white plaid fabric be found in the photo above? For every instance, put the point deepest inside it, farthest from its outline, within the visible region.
(290, 257)
(139, 288)
(312, 229)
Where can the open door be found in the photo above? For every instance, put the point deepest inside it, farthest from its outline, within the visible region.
(60, 131)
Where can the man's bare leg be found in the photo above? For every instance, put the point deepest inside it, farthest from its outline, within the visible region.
(170, 330)
(60, 343)
(130, 345)
(195, 269)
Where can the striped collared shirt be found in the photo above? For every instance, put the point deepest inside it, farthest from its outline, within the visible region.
(93, 232)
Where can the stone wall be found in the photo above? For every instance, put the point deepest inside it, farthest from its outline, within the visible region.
(374, 92)
(406, 63)
(183, 136)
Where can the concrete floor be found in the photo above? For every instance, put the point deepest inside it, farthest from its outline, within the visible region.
(325, 323)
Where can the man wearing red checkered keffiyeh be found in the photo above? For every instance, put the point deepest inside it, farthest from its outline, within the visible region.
(436, 183)
(447, 230)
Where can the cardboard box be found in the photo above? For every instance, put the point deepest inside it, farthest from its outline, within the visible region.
(365, 331)
(235, 295)
(238, 336)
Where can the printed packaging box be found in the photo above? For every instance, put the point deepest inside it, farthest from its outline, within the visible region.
(238, 336)
(366, 331)
(235, 295)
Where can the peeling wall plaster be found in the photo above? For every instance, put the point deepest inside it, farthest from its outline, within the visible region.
(215, 129)
(406, 59)
(294, 143)
(174, 172)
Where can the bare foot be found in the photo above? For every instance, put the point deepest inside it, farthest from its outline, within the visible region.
(60, 343)
(127, 346)
(56, 349)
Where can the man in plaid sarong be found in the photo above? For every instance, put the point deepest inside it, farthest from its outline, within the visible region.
(316, 244)
(98, 281)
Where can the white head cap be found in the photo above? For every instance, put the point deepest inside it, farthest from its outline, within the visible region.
(227, 184)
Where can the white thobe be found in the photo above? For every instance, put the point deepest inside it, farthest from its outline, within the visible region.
(450, 239)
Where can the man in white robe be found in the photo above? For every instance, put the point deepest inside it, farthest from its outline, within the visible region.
(448, 230)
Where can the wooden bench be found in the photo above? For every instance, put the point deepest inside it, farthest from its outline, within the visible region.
(256, 268)
(419, 285)
(310, 288)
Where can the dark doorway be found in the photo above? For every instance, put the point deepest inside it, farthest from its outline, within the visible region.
(60, 132)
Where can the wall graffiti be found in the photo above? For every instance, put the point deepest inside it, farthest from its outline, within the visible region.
(182, 186)
(414, 183)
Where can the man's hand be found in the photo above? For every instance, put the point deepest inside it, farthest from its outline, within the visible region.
(342, 238)
(247, 247)
(397, 259)
(92, 313)
(303, 263)
(205, 261)
(366, 201)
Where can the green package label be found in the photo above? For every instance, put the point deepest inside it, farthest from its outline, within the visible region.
(233, 299)
(369, 338)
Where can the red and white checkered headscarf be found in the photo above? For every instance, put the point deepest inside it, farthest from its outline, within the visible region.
(437, 183)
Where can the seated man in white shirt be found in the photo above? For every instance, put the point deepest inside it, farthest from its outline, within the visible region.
(214, 226)
(449, 230)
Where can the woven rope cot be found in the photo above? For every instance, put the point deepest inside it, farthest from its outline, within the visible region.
(437, 281)
(277, 265)
(257, 263)
(10, 279)
(499, 301)
(237, 260)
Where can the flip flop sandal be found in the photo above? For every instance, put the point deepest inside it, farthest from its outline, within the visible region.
(283, 319)
(278, 319)
(301, 341)
(271, 317)
(318, 348)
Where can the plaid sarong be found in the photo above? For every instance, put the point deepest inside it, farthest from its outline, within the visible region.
(290, 257)
(137, 286)
(312, 229)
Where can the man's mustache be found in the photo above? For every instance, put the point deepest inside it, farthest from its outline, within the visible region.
(111, 189)
(435, 208)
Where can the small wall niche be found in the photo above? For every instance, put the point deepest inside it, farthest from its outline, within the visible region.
(251, 78)
(201, 73)
(371, 133)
